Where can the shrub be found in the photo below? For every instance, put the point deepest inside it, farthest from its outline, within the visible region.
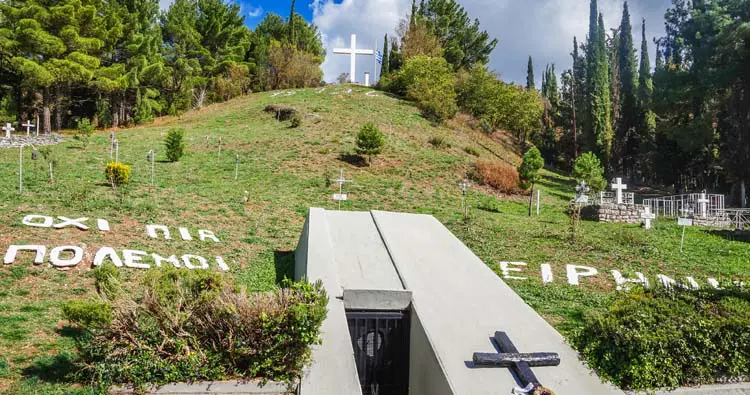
(84, 130)
(88, 313)
(588, 168)
(370, 141)
(117, 173)
(439, 142)
(296, 121)
(430, 83)
(500, 176)
(190, 325)
(668, 338)
(175, 144)
(471, 151)
(529, 172)
(281, 112)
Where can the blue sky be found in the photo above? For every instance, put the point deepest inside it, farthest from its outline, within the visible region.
(543, 29)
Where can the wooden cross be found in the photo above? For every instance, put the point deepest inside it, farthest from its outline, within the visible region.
(28, 125)
(618, 186)
(647, 216)
(8, 129)
(519, 363)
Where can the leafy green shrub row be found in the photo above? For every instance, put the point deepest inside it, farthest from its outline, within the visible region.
(188, 325)
(667, 338)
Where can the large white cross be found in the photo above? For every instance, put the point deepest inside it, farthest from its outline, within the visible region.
(7, 128)
(703, 202)
(353, 52)
(647, 216)
(28, 125)
(619, 187)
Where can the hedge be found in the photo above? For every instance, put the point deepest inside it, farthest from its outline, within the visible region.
(668, 338)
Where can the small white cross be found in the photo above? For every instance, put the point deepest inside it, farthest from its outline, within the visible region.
(28, 125)
(618, 186)
(703, 202)
(647, 216)
(8, 129)
(353, 52)
(341, 180)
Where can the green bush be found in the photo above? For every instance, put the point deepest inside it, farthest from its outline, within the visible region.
(189, 325)
(296, 121)
(588, 168)
(439, 142)
(117, 173)
(471, 151)
(430, 82)
(175, 144)
(529, 171)
(84, 130)
(88, 313)
(370, 141)
(668, 338)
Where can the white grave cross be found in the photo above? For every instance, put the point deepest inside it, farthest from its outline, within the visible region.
(28, 125)
(353, 52)
(8, 129)
(703, 202)
(618, 186)
(647, 216)
(341, 195)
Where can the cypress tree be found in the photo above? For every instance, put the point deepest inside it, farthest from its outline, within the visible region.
(530, 75)
(629, 113)
(413, 16)
(384, 66)
(645, 80)
(578, 88)
(291, 24)
(601, 105)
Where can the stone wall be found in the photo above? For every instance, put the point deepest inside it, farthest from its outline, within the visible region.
(16, 141)
(712, 222)
(623, 213)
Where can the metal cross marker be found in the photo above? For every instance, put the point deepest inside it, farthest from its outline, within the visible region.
(116, 144)
(353, 52)
(8, 129)
(581, 193)
(464, 185)
(236, 165)
(519, 363)
(341, 195)
(219, 148)
(647, 216)
(151, 156)
(28, 125)
(618, 186)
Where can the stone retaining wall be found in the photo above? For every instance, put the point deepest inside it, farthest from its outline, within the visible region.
(18, 140)
(622, 213)
(712, 222)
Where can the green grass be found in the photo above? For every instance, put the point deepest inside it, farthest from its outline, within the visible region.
(283, 172)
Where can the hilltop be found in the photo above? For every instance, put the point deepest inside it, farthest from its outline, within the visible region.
(282, 172)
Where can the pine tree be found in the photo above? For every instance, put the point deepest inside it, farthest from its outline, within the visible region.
(530, 75)
(629, 113)
(385, 65)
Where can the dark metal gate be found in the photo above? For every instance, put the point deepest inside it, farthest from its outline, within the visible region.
(381, 350)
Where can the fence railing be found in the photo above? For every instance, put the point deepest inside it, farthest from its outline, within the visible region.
(673, 206)
(611, 198)
(739, 218)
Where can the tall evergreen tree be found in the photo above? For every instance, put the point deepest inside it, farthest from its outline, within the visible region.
(530, 75)
(645, 79)
(600, 134)
(385, 64)
(395, 59)
(647, 120)
(291, 23)
(578, 92)
(413, 15)
(629, 114)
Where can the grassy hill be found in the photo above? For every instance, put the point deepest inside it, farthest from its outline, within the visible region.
(258, 217)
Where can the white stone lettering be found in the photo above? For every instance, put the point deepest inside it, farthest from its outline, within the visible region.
(185, 234)
(547, 276)
(77, 222)
(32, 220)
(107, 252)
(55, 260)
(692, 283)
(506, 268)
(668, 282)
(714, 283)
(622, 281)
(133, 258)
(187, 258)
(576, 272)
(151, 231)
(222, 265)
(10, 255)
(158, 260)
(103, 225)
(207, 234)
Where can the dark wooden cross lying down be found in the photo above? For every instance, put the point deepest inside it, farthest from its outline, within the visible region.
(519, 363)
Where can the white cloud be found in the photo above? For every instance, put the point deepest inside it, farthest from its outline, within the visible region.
(254, 12)
(543, 29)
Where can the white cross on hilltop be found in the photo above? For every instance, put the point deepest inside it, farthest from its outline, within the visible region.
(618, 186)
(8, 129)
(647, 216)
(353, 52)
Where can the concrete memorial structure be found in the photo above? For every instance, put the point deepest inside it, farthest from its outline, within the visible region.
(412, 310)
